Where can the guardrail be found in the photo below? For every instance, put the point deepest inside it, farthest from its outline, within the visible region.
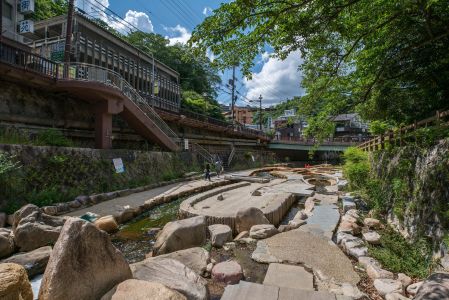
(329, 141)
(397, 137)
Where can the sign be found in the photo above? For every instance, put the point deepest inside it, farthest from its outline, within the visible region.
(26, 26)
(118, 165)
(26, 6)
(186, 144)
(156, 88)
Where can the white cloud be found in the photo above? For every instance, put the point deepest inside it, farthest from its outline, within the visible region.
(178, 34)
(138, 19)
(93, 8)
(277, 80)
(207, 11)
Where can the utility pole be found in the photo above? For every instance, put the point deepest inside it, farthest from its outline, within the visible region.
(260, 112)
(232, 81)
(68, 35)
(1, 20)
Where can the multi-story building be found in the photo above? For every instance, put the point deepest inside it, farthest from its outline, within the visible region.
(242, 115)
(349, 125)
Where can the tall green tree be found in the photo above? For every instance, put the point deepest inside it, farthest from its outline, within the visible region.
(386, 59)
(45, 9)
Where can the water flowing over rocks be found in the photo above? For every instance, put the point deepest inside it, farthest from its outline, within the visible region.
(133, 289)
(14, 283)
(182, 234)
(172, 274)
(83, 255)
(34, 261)
(220, 234)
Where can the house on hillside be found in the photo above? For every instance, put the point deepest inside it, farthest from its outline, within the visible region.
(350, 125)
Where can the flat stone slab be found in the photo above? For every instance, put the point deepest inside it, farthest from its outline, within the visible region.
(326, 199)
(323, 221)
(289, 276)
(254, 291)
(320, 254)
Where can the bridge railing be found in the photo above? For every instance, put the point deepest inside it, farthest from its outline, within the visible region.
(330, 141)
(86, 72)
(398, 137)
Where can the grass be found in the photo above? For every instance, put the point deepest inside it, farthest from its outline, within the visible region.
(399, 256)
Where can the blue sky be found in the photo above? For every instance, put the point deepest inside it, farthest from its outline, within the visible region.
(175, 19)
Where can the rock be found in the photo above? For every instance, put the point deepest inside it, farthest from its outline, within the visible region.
(106, 223)
(371, 223)
(241, 235)
(124, 215)
(300, 215)
(387, 286)
(34, 262)
(353, 213)
(83, 255)
(436, 286)
(229, 272)
(365, 261)
(2, 219)
(348, 218)
(351, 243)
(229, 246)
(262, 231)
(343, 236)
(348, 204)
(248, 217)
(142, 290)
(262, 255)
(349, 227)
(152, 232)
(6, 243)
(220, 197)
(14, 284)
(172, 274)
(290, 226)
(309, 205)
(23, 212)
(356, 252)
(83, 200)
(51, 210)
(182, 234)
(195, 258)
(10, 220)
(413, 288)
(219, 234)
(74, 204)
(372, 237)
(351, 291)
(406, 280)
(375, 272)
(256, 193)
(395, 296)
(247, 240)
(295, 223)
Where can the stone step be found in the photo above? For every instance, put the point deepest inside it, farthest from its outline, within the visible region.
(288, 276)
(254, 291)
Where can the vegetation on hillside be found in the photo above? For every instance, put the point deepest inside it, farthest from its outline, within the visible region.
(386, 59)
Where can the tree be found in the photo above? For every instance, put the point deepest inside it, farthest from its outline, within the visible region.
(45, 9)
(195, 102)
(386, 59)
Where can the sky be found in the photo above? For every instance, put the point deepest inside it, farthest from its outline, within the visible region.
(275, 80)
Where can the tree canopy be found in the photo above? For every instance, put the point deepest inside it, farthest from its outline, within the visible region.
(386, 59)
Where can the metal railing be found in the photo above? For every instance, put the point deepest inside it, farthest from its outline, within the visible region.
(202, 152)
(355, 140)
(93, 73)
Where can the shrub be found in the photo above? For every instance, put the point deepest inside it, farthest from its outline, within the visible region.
(53, 137)
(399, 256)
(356, 168)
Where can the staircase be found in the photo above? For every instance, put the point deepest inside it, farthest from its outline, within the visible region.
(136, 111)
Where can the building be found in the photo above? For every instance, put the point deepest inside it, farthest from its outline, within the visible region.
(350, 125)
(12, 19)
(242, 115)
(94, 45)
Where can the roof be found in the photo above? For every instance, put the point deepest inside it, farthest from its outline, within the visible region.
(345, 117)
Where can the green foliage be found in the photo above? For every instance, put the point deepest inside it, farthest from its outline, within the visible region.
(399, 256)
(193, 101)
(45, 9)
(53, 137)
(7, 164)
(356, 168)
(378, 127)
(14, 136)
(386, 59)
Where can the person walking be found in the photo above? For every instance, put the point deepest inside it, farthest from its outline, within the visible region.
(207, 172)
(218, 167)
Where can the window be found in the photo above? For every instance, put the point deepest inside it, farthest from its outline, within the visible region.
(7, 10)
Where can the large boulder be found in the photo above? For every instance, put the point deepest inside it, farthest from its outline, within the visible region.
(436, 286)
(6, 243)
(195, 258)
(262, 231)
(34, 262)
(172, 274)
(83, 255)
(142, 290)
(34, 229)
(248, 217)
(14, 283)
(182, 234)
(220, 234)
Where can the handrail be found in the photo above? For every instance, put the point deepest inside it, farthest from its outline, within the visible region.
(231, 155)
(203, 152)
(397, 137)
(88, 72)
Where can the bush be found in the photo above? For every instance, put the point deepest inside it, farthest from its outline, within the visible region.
(53, 137)
(399, 256)
(356, 168)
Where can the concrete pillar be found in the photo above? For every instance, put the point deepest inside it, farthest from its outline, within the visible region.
(103, 130)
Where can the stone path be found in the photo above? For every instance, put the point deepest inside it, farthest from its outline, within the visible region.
(289, 276)
(135, 200)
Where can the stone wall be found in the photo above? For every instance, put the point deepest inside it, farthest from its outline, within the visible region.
(413, 189)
